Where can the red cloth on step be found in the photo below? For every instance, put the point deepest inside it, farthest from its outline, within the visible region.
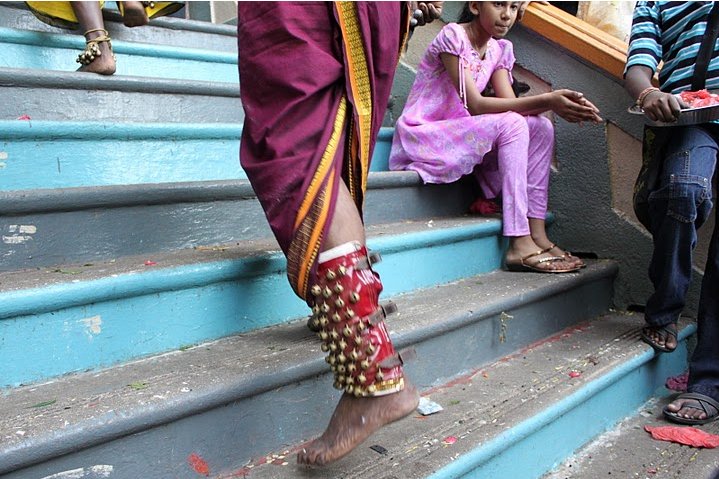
(689, 436)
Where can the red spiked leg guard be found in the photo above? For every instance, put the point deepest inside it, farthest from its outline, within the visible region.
(352, 330)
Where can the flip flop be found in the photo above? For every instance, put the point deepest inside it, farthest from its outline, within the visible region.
(522, 266)
(665, 332)
(703, 402)
(567, 255)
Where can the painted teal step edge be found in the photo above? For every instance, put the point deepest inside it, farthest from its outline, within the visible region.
(554, 434)
(29, 130)
(74, 154)
(66, 295)
(32, 130)
(107, 321)
(51, 79)
(76, 42)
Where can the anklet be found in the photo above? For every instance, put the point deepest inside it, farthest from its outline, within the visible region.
(91, 49)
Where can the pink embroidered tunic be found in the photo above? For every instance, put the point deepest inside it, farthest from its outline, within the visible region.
(436, 136)
(439, 139)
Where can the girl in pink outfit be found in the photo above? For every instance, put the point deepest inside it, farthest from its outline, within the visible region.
(448, 129)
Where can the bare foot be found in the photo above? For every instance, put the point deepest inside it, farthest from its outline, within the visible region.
(104, 64)
(134, 14)
(353, 420)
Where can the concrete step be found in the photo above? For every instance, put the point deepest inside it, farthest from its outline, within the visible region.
(515, 418)
(233, 401)
(73, 96)
(46, 227)
(73, 154)
(76, 317)
(38, 50)
(166, 31)
(628, 450)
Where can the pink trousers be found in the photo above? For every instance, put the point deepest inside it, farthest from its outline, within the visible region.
(518, 169)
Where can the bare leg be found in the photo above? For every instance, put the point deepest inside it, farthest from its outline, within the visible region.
(134, 15)
(354, 419)
(90, 17)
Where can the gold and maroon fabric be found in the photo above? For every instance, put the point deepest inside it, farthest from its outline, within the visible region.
(315, 79)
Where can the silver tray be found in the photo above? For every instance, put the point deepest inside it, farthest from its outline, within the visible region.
(688, 116)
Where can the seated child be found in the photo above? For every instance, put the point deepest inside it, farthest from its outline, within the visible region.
(448, 129)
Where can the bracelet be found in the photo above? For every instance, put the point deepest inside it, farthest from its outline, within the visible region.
(644, 94)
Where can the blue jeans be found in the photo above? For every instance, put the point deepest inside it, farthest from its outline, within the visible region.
(678, 207)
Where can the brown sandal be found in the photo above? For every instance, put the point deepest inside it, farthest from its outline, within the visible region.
(568, 256)
(522, 266)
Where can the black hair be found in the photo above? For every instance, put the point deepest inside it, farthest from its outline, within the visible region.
(466, 14)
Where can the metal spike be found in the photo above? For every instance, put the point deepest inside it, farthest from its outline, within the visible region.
(338, 288)
(315, 290)
(354, 297)
(331, 275)
(326, 292)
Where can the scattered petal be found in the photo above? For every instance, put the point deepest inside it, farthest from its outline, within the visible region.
(574, 374)
(138, 385)
(150, 263)
(678, 383)
(24, 117)
(198, 464)
(44, 403)
(449, 440)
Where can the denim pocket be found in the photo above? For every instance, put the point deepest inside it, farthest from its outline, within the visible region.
(684, 196)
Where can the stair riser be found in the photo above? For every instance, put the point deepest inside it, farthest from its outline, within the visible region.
(552, 436)
(13, 55)
(112, 106)
(281, 408)
(108, 321)
(97, 224)
(48, 154)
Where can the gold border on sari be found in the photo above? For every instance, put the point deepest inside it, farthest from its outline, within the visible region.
(314, 210)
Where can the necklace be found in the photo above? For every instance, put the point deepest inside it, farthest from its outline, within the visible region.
(473, 42)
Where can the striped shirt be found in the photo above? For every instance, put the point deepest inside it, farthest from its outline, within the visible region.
(671, 32)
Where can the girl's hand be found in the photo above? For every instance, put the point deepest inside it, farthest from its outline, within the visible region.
(660, 106)
(573, 107)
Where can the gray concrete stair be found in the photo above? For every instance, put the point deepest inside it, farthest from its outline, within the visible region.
(627, 450)
(237, 399)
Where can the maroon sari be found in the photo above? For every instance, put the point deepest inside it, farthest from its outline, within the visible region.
(315, 80)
